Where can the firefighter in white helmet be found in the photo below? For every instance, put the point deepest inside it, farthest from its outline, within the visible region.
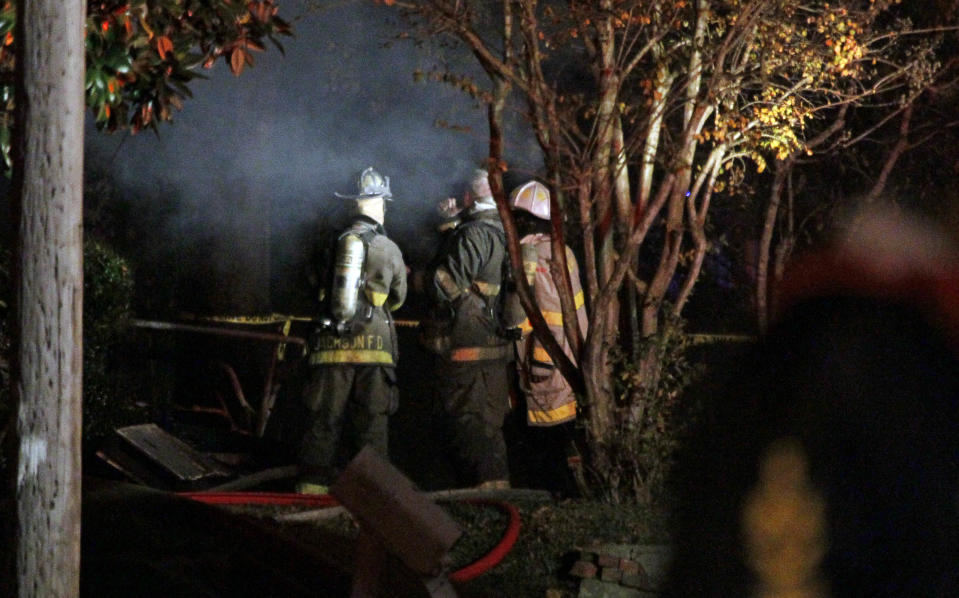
(550, 401)
(353, 354)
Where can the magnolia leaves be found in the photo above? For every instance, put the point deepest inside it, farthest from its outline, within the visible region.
(141, 55)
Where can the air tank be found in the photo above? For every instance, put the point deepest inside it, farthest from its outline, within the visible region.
(347, 277)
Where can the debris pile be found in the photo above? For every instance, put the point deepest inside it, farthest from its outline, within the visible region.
(620, 570)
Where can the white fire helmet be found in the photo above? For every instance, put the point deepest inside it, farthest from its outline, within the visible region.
(370, 184)
(532, 197)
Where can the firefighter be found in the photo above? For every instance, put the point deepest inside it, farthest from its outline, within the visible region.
(465, 280)
(433, 331)
(550, 401)
(830, 465)
(352, 388)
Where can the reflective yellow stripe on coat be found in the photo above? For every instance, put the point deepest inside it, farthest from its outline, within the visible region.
(554, 318)
(553, 416)
(541, 355)
(376, 298)
(351, 356)
(479, 353)
(486, 289)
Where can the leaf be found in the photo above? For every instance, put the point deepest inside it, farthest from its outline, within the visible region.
(182, 89)
(164, 45)
(93, 75)
(237, 61)
(253, 44)
(262, 11)
(118, 60)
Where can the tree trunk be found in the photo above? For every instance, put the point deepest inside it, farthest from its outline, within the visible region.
(595, 360)
(48, 190)
(608, 89)
(697, 225)
(694, 115)
(584, 201)
(902, 144)
(604, 316)
(783, 171)
(765, 242)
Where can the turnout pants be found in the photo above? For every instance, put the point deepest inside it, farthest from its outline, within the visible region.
(348, 407)
(475, 399)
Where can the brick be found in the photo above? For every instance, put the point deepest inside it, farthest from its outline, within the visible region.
(611, 574)
(608, 560)
(583, 569)
(623, 551)
(631, 567)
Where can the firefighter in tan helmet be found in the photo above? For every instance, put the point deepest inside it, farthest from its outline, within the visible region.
(352, 389)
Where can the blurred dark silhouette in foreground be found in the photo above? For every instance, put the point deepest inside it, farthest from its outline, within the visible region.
(830, 467)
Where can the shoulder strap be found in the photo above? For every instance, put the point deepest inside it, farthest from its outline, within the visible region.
(366, 235)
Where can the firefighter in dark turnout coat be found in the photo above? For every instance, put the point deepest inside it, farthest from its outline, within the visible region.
(472, 385)
(353, 356)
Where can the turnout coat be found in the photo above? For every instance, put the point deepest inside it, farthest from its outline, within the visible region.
(549, 398)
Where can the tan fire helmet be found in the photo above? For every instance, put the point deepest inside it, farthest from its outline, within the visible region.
(532, 197)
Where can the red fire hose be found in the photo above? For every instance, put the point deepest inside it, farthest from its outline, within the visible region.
(262, 498)
(462, 575)
(502, 548)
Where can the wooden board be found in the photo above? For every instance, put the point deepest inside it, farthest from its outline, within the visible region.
(169, 452)
(384, 501)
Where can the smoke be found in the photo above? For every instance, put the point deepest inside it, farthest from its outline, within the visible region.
(252, 162)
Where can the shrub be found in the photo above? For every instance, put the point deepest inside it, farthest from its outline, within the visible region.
(652, 419)
(113, 389)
